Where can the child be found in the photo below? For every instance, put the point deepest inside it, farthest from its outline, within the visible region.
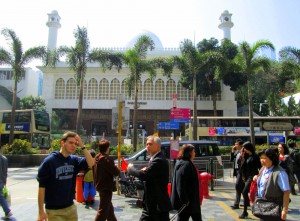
(88, 183)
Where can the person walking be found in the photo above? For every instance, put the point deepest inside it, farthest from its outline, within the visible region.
(156, 201)
(88, 184)
(235, 157)
(104, 171)
(295, 155)
(286, 162)
(273, 183)
(185, 185)
(57, 179)
(3, 179)
(250, 166)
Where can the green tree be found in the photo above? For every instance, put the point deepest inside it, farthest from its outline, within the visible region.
(17, 59)
(250, 62)
(78, 57)
(194, 64)
(218, 66)
(30, 102)
(136, 59)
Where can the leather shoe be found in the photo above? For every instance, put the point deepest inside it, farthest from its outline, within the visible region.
(244, 215)
(234, 207)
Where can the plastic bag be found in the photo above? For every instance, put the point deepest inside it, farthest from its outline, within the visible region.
(5, 192)
(6, 195)
(253, 191)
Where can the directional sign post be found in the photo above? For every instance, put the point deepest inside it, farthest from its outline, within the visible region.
(180, 115)
(168, 125)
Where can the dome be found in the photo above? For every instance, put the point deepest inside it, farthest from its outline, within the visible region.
(153, 36)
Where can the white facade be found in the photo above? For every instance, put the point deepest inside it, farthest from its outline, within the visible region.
(31, 84)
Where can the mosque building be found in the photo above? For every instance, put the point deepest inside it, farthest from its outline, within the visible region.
(101, 89)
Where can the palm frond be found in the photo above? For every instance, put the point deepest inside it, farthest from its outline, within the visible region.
(5, 57)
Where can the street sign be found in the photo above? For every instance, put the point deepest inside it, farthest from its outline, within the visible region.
(168, 126)
(278, 126)
(181, 120)
(180, 113)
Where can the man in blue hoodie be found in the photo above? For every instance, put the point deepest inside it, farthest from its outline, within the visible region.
(57, 179)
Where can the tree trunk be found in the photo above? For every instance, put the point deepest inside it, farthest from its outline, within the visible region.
(214, 98)
(251, 121)
(195, 127)
(135, 135)
(79, 111)
(13, 112)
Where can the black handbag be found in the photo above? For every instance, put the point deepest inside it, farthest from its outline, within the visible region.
(264, 209)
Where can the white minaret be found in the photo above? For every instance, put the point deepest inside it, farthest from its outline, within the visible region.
(54, 24)
(227, 94)
(226, 24)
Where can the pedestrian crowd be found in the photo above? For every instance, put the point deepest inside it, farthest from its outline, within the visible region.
(274, 171)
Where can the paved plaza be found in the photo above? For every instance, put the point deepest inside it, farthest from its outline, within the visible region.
(23, 187)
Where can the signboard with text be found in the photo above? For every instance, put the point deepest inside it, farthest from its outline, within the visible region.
(168, 126)
(180, 113)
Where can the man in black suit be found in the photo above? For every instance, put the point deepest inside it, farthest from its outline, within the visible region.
(235, 157)
(156, 201)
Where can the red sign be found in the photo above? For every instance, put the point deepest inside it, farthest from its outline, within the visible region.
(180, 113)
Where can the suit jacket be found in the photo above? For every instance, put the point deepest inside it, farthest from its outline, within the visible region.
(185, 186)
(155, 179)
(233, 157)
(250, 166)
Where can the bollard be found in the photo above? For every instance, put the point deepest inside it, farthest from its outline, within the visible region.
(212, 173)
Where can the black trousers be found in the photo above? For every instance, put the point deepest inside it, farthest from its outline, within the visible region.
(106, 208)
(154, 216)
(239, 186)
(185, 216)
(246, 191)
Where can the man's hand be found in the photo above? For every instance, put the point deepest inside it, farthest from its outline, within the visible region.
(42, 216)
(78, 141)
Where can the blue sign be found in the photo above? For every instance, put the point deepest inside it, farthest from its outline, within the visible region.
(168, 125)
(277, 139)
(19, 127)
(180, 120)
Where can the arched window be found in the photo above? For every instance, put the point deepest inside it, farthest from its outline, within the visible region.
(71, 89)
(103, 89)
(159, 90)
(170, 89)
(59, 89)
(182, 92)
(114, 89)
(92, 89)
(148, 90)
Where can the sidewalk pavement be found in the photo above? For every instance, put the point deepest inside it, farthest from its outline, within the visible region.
(23, 187)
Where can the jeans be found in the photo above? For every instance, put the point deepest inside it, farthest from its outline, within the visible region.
(3, 202)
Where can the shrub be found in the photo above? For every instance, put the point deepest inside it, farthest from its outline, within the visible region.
(125, 150)
(55, 145)
(20, 147)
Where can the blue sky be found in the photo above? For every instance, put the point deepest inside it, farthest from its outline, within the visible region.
(113, 23)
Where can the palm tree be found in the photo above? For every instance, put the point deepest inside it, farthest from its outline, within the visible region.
(250, 62)
(78, 57)
(218, 64)
(17, 59)
(193, 64)
(136, 59)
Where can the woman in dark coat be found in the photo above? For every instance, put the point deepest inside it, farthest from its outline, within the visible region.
(185, 185)
(250, 167)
